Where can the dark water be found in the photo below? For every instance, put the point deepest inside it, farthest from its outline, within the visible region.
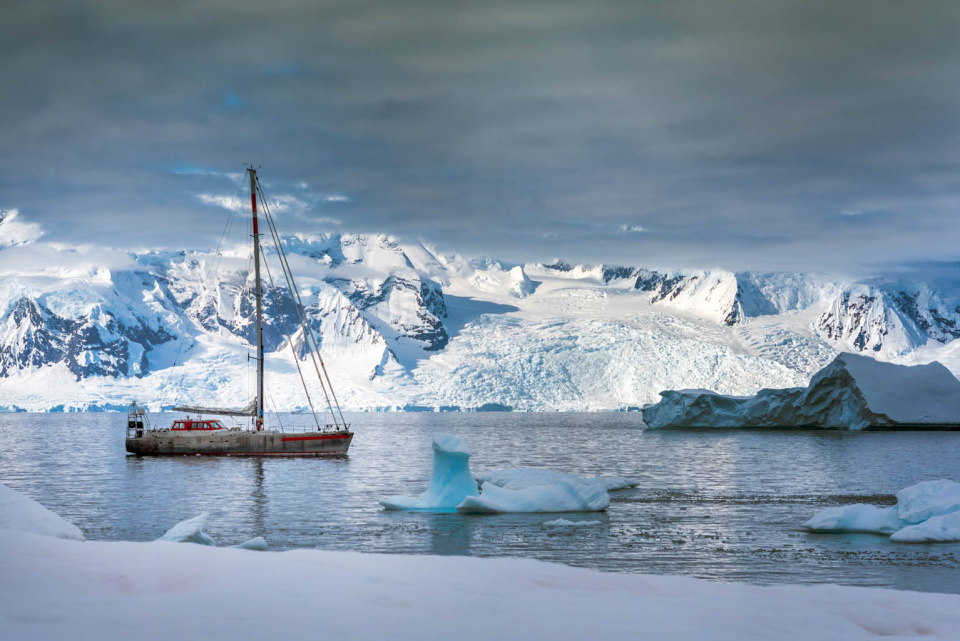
(725, 506)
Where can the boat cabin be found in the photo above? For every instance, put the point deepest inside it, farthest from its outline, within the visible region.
(197, 424)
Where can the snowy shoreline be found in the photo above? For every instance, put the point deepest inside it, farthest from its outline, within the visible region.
(56, 586)
(56, 589)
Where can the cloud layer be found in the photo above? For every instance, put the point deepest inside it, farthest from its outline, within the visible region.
(743, 134)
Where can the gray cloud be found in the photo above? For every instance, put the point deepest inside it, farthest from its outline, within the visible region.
(741, 134)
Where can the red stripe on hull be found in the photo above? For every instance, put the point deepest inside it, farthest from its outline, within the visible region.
(315, 438)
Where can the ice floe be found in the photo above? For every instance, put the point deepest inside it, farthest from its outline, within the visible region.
(566, 523)
(937, 529)
(257, 543)
(450, 483)
(18, 512)
(564, 495)
(529, 490)
(189, 531)
(852, 392)
(927, 512)
(855, 518)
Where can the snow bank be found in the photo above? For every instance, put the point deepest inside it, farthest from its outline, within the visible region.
(523, 477)
(852, 392)
(17, 512)
(561, 496)
(927, 512)
(189, 531)
(56, 589)
(450, 483)
(453, 488)
(566, 523)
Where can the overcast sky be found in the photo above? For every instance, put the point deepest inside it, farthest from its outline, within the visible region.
(740, 134)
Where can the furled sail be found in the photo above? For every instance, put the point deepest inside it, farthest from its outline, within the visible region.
(249, 410)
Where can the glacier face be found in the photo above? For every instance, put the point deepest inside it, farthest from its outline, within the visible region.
(406, 325)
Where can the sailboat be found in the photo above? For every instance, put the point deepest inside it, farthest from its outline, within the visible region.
(205, 436)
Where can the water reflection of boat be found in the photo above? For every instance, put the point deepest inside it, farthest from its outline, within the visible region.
(200, 435)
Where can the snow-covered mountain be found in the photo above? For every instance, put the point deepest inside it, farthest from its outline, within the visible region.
(405, 325)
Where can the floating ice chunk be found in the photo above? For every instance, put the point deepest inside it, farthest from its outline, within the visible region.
(922, 501)
(258, 543)
(938, 529)
(524, 477)
(450, 483)
(566, 523)
(852, 392)
(18, 512)
(565, 495)
(855, 518)
(189, 531)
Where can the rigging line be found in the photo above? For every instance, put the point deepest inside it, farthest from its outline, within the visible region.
(286, 329)
(295, 290)
(298, 307)
(308, 331)
(275, 412)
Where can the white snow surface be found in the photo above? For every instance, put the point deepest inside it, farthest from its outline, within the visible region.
(852, 392)
(18, 512)
(119, 590)
(450, 482)
(189, 531)
(523, 477)
(928, 512)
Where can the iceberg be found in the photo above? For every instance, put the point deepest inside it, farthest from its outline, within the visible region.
(523, 477)
(257, 543)
(856, 518)
(927, 512)
(944, 528)
(452, 487)
(852, 392)
(922, 501)
(562, 496)
(189, 531)
(450, 483)
(18, 512)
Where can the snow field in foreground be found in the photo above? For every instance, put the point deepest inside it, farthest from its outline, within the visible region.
(18, 512)
(453, 488)
(927, 512)
(144, 591)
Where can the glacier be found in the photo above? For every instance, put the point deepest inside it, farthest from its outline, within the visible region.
(404, 324)
(927, 512)
(852, 392)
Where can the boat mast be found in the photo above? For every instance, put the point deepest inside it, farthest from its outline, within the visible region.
(258, 416)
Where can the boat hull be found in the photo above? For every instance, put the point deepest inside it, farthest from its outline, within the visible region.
(239, 443)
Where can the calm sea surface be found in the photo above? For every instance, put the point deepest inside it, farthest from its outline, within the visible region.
(724, 505)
